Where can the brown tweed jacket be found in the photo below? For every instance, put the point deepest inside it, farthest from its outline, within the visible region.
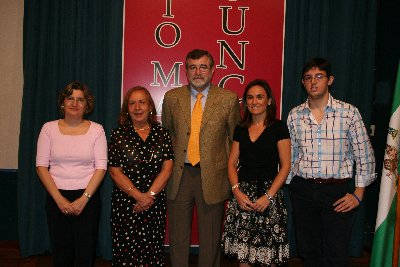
(220, 116)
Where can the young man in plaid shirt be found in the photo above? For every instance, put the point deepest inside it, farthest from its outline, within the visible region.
(328, 136)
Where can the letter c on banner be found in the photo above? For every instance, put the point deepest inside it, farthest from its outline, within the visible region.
(157, 34)
(230, 76)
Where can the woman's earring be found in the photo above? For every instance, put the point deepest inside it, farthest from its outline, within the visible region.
(62, 106)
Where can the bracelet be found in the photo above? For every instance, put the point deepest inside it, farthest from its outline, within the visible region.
(271, 199)
(87, 195)
(359, 201)
(152, 193)
(235, 186)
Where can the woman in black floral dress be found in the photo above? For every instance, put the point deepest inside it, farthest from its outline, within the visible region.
(140, 160)
(255, 225)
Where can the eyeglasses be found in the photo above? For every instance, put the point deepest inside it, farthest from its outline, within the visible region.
(317, 77)
(70, 99)
(202, 68)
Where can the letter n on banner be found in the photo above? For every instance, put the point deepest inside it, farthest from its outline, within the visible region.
(245, 38)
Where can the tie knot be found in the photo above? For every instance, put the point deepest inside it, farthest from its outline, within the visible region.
(199, 96)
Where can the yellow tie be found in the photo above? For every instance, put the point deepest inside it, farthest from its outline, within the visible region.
(194, 139)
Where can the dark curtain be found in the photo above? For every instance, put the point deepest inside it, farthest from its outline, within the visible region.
(343, 32)
(65, 41)
(82, 40)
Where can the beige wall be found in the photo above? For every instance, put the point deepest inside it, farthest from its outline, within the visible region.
(11, 22)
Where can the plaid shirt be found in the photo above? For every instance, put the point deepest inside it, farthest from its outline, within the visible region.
(329, 149)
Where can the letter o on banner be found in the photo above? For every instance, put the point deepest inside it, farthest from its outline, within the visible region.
(159, 40)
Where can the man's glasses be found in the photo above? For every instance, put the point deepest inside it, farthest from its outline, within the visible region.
(70, 99)
(202, 68)
(317, 77)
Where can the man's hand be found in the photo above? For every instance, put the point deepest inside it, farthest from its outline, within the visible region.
(346, 203)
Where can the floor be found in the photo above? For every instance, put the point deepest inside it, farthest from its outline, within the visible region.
(9, 257)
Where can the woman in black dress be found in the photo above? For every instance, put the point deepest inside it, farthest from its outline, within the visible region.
(255, 225)
(140, 160)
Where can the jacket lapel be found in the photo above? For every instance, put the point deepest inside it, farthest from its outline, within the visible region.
(210, 106)
(184, 103)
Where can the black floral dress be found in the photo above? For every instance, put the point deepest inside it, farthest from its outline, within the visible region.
(138, 238)
(251, 236)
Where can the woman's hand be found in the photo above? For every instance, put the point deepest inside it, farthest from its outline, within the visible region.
(243, 200)
(65, 205)
(79, 204)
(261, 204)
(144, 201)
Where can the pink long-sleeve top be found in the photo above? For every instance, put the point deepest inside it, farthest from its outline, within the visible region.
(72, 158)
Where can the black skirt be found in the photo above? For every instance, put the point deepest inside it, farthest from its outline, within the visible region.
(255, 237)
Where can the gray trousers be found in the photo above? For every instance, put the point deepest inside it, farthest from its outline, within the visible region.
(180, 211)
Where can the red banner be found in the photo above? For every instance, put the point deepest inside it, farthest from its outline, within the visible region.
(245, 38)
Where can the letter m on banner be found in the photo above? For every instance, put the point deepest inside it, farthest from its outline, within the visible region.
(159, 72)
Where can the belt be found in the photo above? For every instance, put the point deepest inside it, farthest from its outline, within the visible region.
(327, 180)
(190, 165)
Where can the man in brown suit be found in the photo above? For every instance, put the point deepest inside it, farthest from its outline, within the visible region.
(206, 183)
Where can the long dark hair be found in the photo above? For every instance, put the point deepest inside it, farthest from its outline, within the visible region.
(124, 117)
(271, 109)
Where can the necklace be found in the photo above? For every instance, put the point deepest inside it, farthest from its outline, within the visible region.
(142, 129)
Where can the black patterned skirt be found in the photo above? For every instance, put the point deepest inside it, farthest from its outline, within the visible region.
(254, 237)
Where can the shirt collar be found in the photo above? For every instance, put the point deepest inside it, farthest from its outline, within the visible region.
(194, 92)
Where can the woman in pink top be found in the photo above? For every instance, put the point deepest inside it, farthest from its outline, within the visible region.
(71, 162)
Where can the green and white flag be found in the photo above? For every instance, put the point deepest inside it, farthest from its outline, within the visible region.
(386, 219)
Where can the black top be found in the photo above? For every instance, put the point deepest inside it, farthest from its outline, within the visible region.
(260, 160)
(140, 160)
